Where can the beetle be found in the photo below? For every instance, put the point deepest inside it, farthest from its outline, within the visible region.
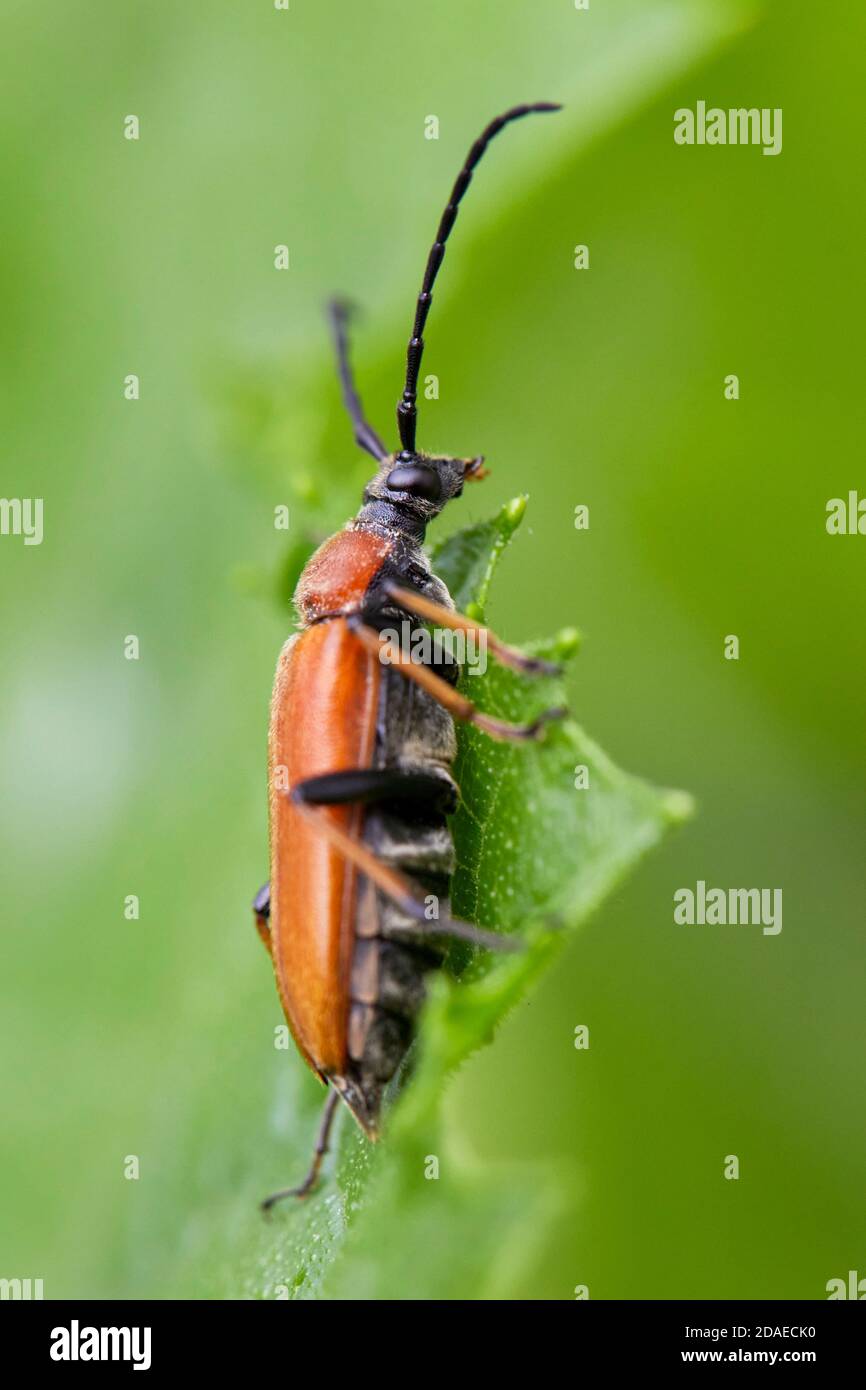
(360, 750)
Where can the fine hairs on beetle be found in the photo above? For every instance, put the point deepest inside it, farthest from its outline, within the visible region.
(361, 747)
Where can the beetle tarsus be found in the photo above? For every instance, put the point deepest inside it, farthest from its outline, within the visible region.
(501, 729)
(306, 1187)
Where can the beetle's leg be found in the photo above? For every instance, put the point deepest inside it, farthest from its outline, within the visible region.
(411, 786)
(306, 1187)
(365, 435)
(437, 613)
(456, 704)
(398, 888)
(262, 911)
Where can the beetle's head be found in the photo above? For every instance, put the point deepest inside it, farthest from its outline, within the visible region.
(422, 483)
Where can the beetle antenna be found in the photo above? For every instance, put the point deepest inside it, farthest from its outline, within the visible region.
(406, 408)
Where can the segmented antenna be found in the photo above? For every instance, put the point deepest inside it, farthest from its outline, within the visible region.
(406, 409)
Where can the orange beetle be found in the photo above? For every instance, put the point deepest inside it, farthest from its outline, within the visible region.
(360, 753)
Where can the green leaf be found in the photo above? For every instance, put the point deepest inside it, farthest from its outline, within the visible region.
(466, 560)
(535, 856)
(281, 422)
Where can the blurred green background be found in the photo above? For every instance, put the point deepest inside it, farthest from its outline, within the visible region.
(603, 387)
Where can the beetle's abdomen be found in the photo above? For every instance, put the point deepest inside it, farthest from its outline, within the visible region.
(391, 955)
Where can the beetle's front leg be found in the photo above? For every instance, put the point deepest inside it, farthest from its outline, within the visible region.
(456, 704)
(262, 912)
(433, 612)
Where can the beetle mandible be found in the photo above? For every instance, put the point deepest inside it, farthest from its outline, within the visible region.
(361, 746)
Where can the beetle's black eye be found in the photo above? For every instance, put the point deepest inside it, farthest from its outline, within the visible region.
(415, 478)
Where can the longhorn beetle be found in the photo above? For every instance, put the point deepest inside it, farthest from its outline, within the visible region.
(361, 745)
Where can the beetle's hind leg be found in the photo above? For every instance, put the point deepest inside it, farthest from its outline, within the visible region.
(399, 935)
(456, 704)
(322, 1142)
